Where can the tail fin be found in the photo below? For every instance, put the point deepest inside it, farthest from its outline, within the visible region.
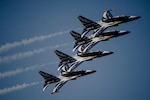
(85, 22)
(78, 37)
(62, 56)
(46, 76)
(88, 25)
(80, 41)
(75, 35)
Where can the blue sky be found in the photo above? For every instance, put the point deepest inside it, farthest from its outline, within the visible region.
(30, 31)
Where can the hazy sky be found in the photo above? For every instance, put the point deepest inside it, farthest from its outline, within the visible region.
(30, 31)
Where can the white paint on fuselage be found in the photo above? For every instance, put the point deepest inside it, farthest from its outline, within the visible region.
(104, 24)
(81, 59)
(63, 78)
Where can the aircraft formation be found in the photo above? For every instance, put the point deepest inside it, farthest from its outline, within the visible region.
(83, 45)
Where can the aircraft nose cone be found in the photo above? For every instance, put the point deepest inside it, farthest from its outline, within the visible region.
(90, 71)
(108, 52)
(124, 32)
(135, 17)
(111, 52)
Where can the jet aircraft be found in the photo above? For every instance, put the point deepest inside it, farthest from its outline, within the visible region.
(83, 44)
(69, 63)
(108, 20)
(62, 79)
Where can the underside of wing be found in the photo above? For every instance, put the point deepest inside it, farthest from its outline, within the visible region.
(58, 86)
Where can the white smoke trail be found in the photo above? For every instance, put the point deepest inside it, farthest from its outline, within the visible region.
(20, 55)
(17, 87)
(9, 46)
(21, 70)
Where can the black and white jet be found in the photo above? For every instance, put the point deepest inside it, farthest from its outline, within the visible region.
(60, 80)
(84, 44)
(69, 63)
(108, 20)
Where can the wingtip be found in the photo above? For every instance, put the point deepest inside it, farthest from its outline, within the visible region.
(73, 50)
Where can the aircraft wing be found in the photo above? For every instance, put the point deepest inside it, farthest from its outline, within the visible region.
(75, 47)
(74, 66)
(58, 86)
(89, 46)
(99, 31)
